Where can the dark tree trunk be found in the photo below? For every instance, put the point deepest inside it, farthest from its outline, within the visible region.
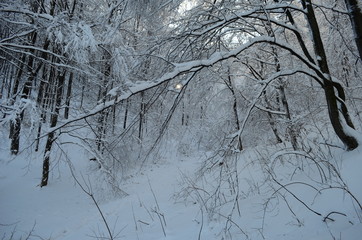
(15, 135)
(125, 114)
(6, 70)
(16, 128)
(82, 96)
(184, 116)
(328, 85)
(44, 102)
(355, 14)
(69, 92)
(230, 85)
(19, 73)
(53, 122)
(142, 116)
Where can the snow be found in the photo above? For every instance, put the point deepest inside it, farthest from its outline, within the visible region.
(190, 67)
(161, 204)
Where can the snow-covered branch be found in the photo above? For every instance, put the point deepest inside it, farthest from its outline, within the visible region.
(120, 94)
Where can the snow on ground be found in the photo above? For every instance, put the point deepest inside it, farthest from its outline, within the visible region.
(151, 211)
(62, 211)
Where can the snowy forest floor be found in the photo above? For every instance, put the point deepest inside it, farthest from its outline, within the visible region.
(156, 206)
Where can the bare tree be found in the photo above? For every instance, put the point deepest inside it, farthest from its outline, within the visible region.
(334, 100)
(355, 14)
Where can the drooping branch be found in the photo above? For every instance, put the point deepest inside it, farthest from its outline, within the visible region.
(329, 86)
(121, 93)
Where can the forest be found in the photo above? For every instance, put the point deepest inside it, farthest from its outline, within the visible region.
(235, 102)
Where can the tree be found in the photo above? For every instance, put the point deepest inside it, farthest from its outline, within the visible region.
(333, 99)
(334, 91)
(128, 59)
(355, 14)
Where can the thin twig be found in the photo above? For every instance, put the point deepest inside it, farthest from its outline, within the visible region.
(90, 194)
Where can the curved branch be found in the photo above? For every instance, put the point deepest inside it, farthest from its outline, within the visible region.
(120, 93)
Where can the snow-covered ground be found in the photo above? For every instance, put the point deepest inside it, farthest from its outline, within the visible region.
(156, 206)
(63, 211)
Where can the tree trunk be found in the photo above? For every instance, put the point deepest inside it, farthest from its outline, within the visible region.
(69, 92)
(16, 128)
(231, 87)
(272, 121)
(43, 102)
(103, 117)
(142, 116)
(292, 129)
(125, 114)
(7, 71)
(82, 96)
(355, 14)
(19, 73)
(329, 86)
(51, 136)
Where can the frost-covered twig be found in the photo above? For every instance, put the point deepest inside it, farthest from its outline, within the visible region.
(344, 188)
(331, 219)
(202, 223)
(291, 193)
(89, 192)
(157, 210)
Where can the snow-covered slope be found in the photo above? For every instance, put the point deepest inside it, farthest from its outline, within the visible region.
(153, 208)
